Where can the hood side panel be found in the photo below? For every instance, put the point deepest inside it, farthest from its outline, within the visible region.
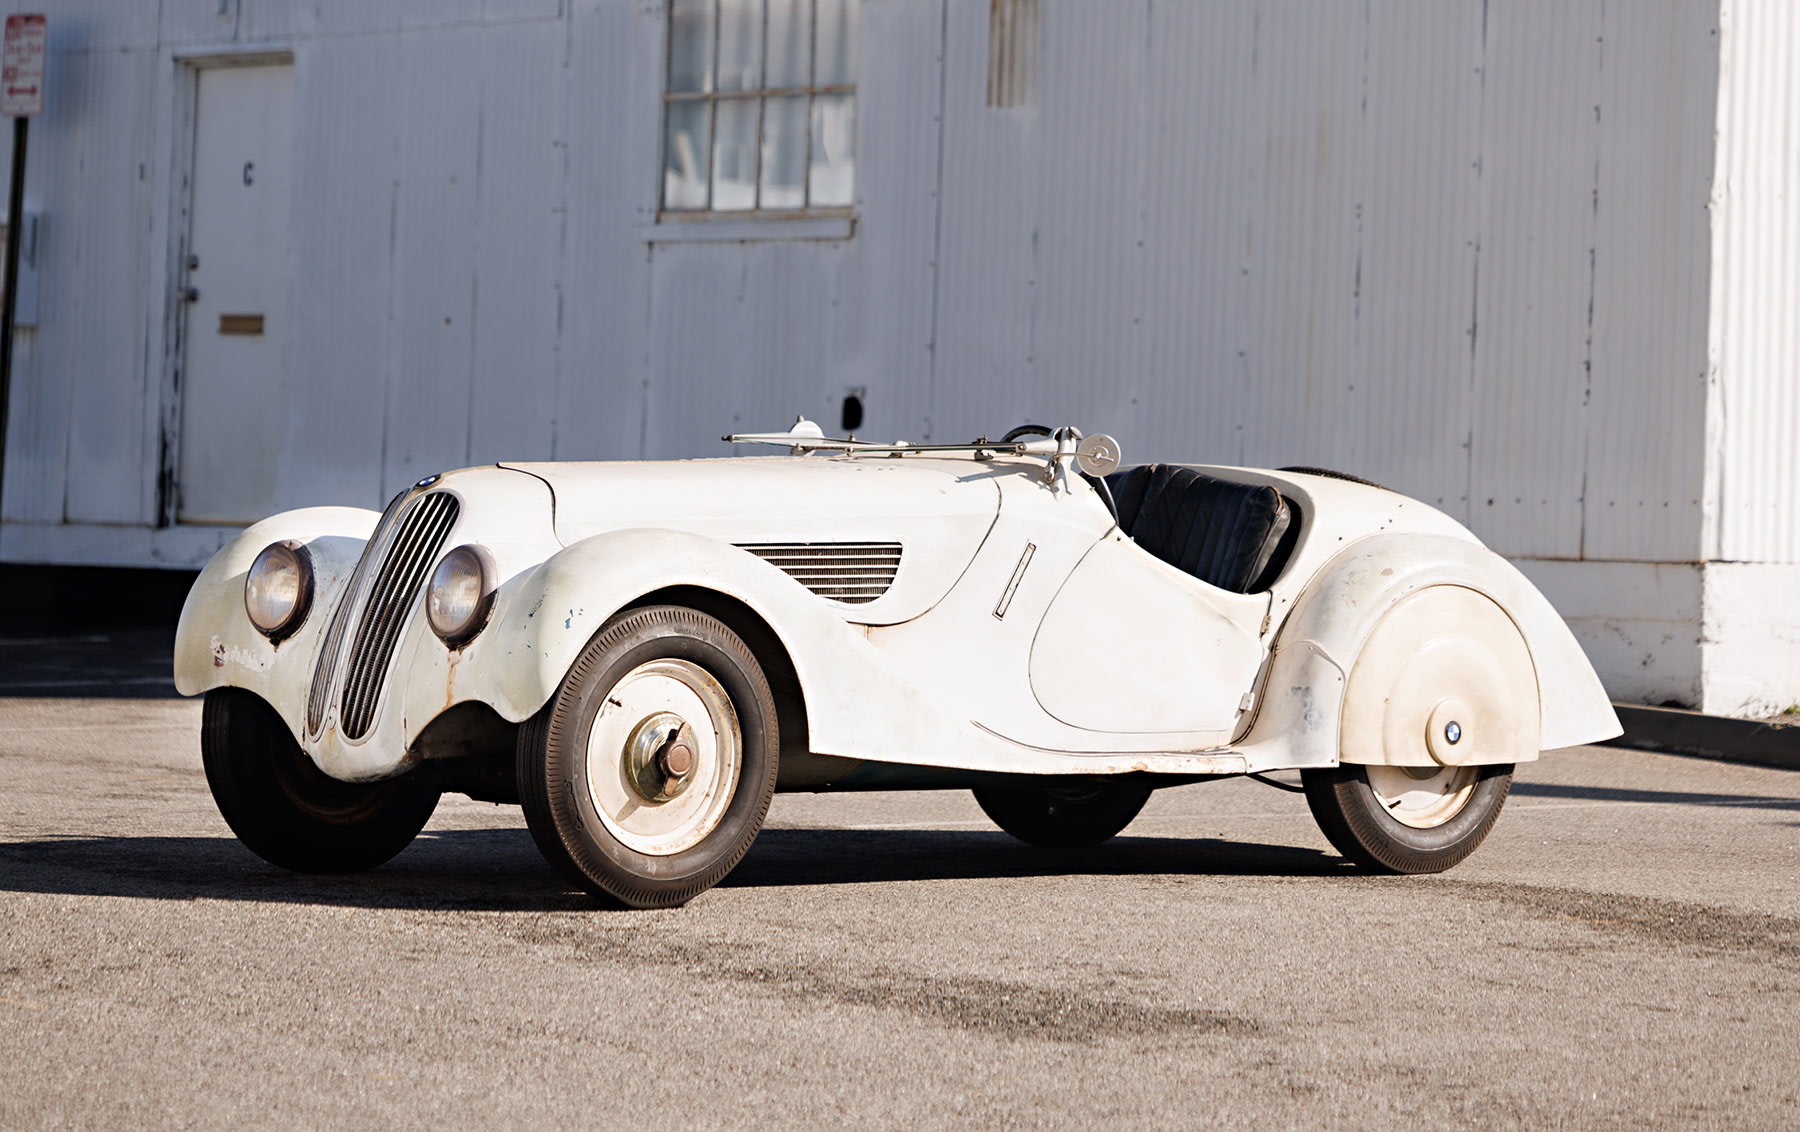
(937, 510)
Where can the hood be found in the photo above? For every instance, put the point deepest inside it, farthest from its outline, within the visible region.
(934, 511)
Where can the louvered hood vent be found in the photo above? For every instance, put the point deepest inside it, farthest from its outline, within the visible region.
(852, 573)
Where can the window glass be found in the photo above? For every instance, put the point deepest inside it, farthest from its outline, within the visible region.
(790, 43)
(685, 150)
(740, 45)
(831, 175)
(734, 155)
(759, 109)
(834, 37)
(784, 152)
(690, 45)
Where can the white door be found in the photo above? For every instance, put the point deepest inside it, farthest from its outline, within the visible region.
(236, 278)
(1134, 646)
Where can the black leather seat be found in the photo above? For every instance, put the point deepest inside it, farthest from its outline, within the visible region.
(1230, 535)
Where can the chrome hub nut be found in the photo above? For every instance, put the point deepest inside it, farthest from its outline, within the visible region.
(659, 757)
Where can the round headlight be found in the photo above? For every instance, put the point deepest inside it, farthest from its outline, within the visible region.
(279, 589)
(462, 591)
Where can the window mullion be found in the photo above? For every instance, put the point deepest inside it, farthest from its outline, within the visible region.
(761, 107)
(712, 127)
(712, 115)
(812, 51)
(762, 103)
(662, 135)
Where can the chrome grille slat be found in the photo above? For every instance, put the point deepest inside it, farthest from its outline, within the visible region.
(326, 668)
(397, 584)
(851, 573)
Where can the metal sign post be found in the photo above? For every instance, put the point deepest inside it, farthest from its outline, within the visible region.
(21, 99)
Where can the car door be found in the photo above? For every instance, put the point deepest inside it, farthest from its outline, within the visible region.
(1132, 645)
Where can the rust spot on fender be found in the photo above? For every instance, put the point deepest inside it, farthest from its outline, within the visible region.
(223, 651)
(450, 678)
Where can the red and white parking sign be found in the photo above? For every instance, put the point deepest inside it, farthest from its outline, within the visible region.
(22, 68)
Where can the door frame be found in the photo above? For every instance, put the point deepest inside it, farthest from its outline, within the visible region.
(188, 66)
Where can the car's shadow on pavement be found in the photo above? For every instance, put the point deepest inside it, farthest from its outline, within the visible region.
(839, 856)
(501, 870)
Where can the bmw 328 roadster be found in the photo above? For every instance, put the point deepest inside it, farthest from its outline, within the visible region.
(640, 654)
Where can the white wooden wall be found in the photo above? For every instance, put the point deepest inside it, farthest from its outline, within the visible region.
(1460, 247)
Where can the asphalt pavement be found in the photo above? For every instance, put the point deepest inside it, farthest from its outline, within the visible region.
(1623, 952)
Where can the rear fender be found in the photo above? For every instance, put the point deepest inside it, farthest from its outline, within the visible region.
(1302, 697)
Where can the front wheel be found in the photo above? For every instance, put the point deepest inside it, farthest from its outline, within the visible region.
(1402, 819)
(1059, 813)
(289, 812)
(647, 776)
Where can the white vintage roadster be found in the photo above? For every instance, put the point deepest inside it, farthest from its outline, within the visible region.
(641, 653)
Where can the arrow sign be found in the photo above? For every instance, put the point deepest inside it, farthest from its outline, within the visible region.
(22, 67)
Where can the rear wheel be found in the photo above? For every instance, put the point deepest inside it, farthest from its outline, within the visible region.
(1440, 705)
(1403, 819)
(1063, 813)
(289, 812)
(648, 774)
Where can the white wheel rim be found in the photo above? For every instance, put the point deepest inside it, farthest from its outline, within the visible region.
(1422, 797)
(662, 828)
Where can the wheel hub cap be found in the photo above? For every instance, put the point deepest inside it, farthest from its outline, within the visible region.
(1422, 796)
(659, 756)
(1445, 730)
(663, 757)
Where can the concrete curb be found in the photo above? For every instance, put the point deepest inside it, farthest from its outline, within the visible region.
(1678, 732)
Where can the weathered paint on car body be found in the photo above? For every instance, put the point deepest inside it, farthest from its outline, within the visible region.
(1022, 632)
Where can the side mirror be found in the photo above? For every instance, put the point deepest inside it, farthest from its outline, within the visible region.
(1098, 455)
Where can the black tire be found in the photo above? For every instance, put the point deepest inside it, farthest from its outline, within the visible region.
(558, 791)
(1063, 813)
(1358, 826)
(289, 812)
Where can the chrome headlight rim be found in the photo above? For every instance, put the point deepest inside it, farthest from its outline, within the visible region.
(300, 558)
(476, 559)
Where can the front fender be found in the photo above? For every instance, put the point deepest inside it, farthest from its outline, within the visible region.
(541, 625)
(1302, 698)
(215, 643)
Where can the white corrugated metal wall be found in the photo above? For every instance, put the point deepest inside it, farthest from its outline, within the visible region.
(1459, 247)
(1756, 287)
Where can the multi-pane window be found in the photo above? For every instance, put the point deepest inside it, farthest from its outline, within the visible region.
(759, 112)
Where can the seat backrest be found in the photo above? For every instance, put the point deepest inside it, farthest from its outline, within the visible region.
(1226, 534)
